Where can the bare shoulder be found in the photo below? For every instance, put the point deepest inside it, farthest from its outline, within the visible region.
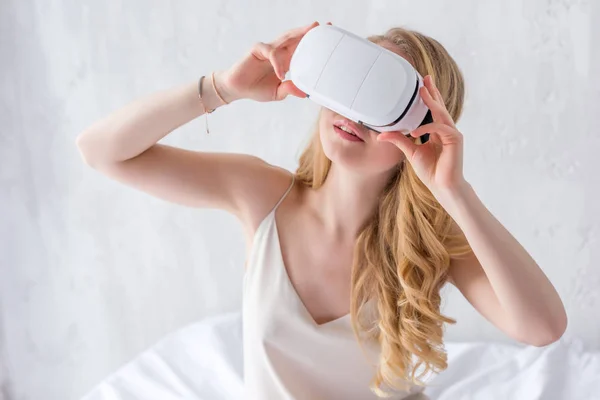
(264, 185)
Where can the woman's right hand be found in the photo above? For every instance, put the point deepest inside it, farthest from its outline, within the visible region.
(260, 74)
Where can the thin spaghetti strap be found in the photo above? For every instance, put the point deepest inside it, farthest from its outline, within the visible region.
(268, 220)
(286, 192)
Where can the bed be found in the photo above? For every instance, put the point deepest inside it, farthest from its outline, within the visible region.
(204, 361)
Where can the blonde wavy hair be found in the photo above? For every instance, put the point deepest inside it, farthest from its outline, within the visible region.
(403, 253)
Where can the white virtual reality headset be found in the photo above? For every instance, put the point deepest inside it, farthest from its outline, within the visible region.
(359, 79)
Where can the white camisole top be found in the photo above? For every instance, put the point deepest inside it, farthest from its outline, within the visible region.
(287, 355)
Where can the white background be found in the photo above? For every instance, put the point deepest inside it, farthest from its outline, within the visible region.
(93, 272)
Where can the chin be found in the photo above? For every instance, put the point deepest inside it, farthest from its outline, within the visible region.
(349, 155)
(359, 157)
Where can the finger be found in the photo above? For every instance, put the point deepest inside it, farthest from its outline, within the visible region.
(287, 88)
(445, 133)
(429, 83)
(436, 91)
(431, 128)
(286, 47)
(428, 98)
(264, 52)
(294, 34)
(402, 142)
(438, 110)
(429, 102)
(297, 32)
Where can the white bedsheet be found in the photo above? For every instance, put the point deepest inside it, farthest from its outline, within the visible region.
(204, 361)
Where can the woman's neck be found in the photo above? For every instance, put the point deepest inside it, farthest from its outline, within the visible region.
(346, 201)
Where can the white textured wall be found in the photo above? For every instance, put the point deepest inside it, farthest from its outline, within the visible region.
(93, 272)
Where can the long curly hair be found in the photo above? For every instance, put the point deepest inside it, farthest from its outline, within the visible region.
(403, 253)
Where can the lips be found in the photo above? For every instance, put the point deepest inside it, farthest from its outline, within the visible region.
(350, 126)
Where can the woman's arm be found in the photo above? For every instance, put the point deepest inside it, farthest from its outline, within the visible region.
(134, 128)
(501, 280)
(123, 146)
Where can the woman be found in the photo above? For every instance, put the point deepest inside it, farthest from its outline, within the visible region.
(348, 255)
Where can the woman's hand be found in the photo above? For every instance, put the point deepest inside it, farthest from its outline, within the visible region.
(439, 161)
(260, 74)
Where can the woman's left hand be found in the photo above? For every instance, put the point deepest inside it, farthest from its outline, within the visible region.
(439, 161)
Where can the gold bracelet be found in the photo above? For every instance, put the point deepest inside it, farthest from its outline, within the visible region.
(212, 78)
(206, 111)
